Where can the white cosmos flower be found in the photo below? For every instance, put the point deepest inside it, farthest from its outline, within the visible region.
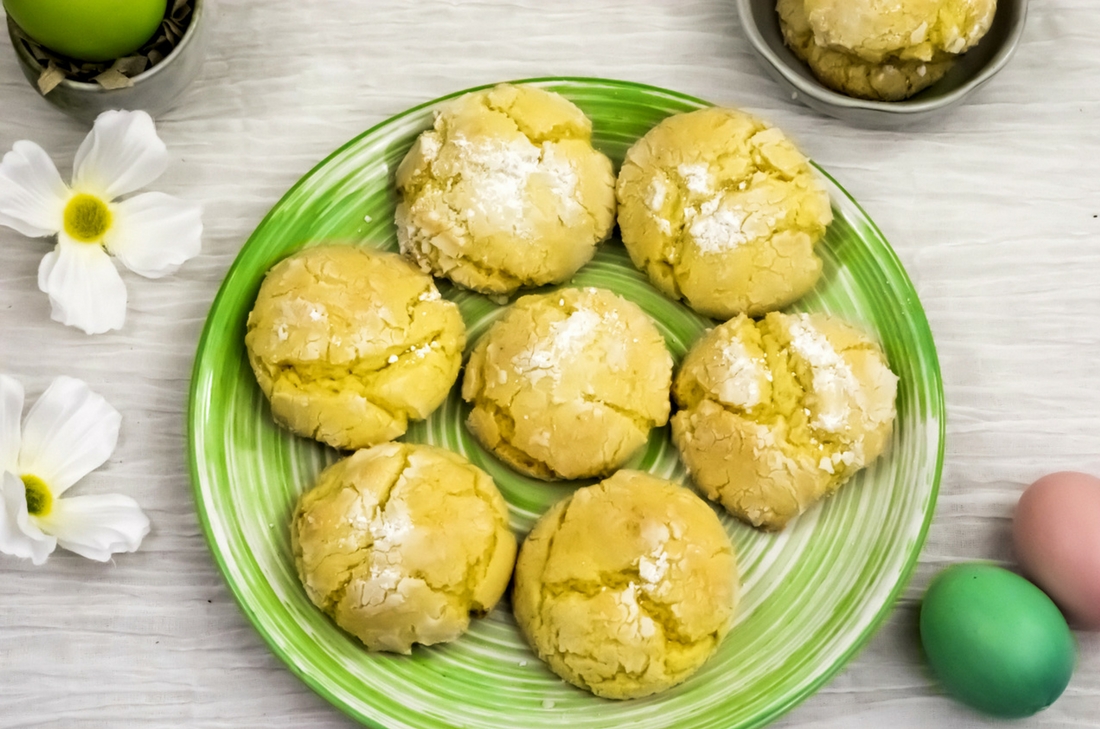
(152, 234)
(69, 432)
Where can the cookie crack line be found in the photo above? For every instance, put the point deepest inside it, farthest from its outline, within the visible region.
(422, 249)
(479, 569)
(336, 596)
(563, 514)
(304, 369)
(775, 420)
(660, 613)
(378, 512)
(640, 421)
(506, 449)
(535, 139)
(363, 551)
(621, 670)
(354, 378)
(767, 414)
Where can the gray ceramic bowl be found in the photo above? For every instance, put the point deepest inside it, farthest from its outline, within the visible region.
(154, 91)
(978, 65)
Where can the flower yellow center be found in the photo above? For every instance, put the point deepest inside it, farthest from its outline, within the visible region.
(39, 498)
(87, 218)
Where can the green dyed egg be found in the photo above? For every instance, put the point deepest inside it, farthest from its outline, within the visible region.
(995, 640)
(89, 30)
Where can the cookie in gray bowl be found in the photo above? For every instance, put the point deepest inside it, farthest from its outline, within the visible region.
(973, 69)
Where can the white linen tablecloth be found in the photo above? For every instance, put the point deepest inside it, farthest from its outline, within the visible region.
(992, 208)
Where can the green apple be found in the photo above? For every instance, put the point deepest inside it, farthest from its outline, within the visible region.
(88, 30)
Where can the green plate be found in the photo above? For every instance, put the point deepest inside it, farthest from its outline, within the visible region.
(812, 595)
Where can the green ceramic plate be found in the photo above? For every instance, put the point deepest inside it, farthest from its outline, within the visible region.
(811, 595)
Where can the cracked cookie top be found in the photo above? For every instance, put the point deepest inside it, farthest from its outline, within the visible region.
(776, 414)
(350, 343)
(568, 384)
(722, 211)
(626, 587)
(505, 191)
(877, 30)
(884, 50)
(402, 543)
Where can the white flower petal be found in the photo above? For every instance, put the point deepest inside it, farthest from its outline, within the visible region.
(121, 154)
(97, 526)
(85, 289)
(153, 233)
(32, 195)
(69, 432)
(18, 536)
(11, 410)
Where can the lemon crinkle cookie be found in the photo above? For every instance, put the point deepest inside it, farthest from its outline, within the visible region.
(568, 384)
(351, 343)
(505, 191)
(884, 50)
(402, 544)
(721, 210)
(626, 587)
(775, 414)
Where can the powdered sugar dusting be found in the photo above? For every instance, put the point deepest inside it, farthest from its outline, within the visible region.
(498, 171)
(430, 145)
(565, 339)
(388, 529)
(849, 458)
(653, 567)
(715, 228)
(635, 624)
(739, 384)
(563, 181)
(696, 177)
(655, 200)
(834, 384)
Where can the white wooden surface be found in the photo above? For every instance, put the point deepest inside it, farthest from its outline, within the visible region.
(993, 209)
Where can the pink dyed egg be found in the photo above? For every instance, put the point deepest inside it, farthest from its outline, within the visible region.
(1056, 533)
